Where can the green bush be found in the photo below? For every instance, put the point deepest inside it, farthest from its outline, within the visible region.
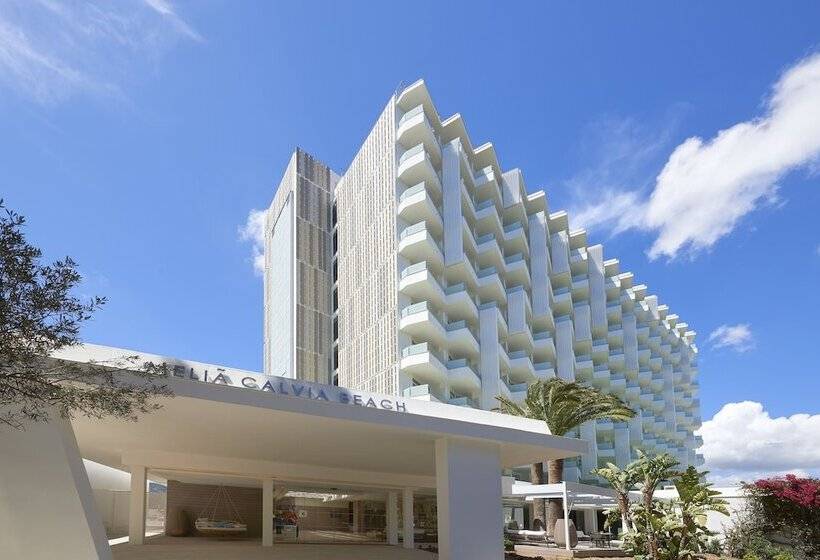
(783, 555)
(751, 556)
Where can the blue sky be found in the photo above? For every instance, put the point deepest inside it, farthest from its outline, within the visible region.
(138, 135)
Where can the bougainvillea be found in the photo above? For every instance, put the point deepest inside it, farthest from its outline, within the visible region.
(802, 492)
(790, 506)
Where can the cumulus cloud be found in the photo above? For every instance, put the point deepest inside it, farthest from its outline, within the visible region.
(743, 442)
(51, 50)
(707, 185)
(737, 337)
(253, 231)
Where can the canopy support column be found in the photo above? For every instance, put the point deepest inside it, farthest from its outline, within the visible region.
(267, 512)
(136, 510)
(566, 515)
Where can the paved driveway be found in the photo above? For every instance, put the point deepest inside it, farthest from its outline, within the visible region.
(193, 548)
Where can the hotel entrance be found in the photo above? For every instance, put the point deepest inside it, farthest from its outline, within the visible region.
(223, 507)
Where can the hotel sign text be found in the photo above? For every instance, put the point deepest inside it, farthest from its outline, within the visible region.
(286, 387)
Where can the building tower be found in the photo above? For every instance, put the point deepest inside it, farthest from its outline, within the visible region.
(455, 284)
(299, 251)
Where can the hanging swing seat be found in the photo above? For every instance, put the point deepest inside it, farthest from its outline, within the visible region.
(210, 524)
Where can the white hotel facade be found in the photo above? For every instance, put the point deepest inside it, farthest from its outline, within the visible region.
(426, 271)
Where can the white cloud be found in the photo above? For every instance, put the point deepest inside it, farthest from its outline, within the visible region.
(254, 232)
(50, 51)
(742, 442)
(164, 8)
(707, 186)
(737, 337)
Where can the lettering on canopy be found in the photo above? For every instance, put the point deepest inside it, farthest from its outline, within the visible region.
(286, 387)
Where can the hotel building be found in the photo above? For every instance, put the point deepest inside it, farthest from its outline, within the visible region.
(427, 271)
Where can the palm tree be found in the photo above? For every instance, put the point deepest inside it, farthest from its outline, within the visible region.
(652, 470)
(622, 481)
(563, 406)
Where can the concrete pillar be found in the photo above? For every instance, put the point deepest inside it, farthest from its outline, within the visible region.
(590, 521)
(468, 499)
(407, 518)
(565, 354)
(489, 366)
(267, 512)
(47, 508)
(452, 217)
(136, 510)
(392, 517)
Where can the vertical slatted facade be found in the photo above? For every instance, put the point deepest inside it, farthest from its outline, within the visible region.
(368, 276)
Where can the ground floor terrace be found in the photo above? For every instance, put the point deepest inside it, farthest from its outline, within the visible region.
(285, 466)
(198, 548)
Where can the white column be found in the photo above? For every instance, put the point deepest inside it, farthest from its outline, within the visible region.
(590, 521)
(47, 508)
(392, 517)
(136, 510)
(566, 517)
(468, 499)
(407, 518)
(267, 512)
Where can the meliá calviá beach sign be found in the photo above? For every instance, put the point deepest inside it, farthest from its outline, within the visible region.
(284, 386)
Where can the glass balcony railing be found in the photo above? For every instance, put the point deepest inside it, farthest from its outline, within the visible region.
(414, 151)
(415, 308)
(518, 354)
(510, 228)
(489, 271)
(463, 401)
(485, 204)
(561, 291)
(455, 288)
(414, 268)
(410, 114)
(415, 228)
(484, 238)
(512, 259)
(411, 191)
(544, 335)
(516, 387)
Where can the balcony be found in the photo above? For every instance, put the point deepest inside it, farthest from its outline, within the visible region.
(644, 377)
(543, 370)
(424, 393)
(416, 205)
(617, 383)
(518, 273)
(517, 391)
(417, 243)
(613, 312)
(419, 283)
(657, 382)
(461, 339)
(487, 219)
(423, 362)
(420, 322)
(414, 128)
(463, 401)
(489, 252)
(543, 345)
(490, 285)
(580, 287)
(515, 239)
(462, 377)
(561, 301)
(459, 303)
(521, 368)
(600, 376)
(486, 184)
(416, 166)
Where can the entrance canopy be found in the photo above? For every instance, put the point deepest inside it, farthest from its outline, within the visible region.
(237, 422)
(578, 496)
